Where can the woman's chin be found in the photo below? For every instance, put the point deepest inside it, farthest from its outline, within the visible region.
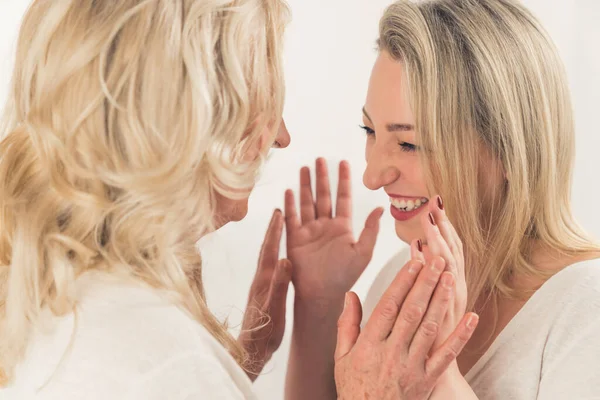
(407, 232)
(231, 211)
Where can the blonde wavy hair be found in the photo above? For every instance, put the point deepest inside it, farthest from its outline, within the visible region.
(484, 74)
(125, 119)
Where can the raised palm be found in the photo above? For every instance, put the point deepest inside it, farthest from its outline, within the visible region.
(326, 258)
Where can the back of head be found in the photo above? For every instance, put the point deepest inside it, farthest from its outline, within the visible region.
(486, 83)
(126, 118)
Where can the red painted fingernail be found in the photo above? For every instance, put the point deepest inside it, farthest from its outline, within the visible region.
(431, 219)
(440, 203)
(420, 245)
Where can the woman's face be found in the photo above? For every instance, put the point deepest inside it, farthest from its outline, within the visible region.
(229, 210)
(392, 153)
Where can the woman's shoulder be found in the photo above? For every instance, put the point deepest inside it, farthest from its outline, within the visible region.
(173, 355)
(574, 291)
(128, 337)
(576, 283)
(141, 321)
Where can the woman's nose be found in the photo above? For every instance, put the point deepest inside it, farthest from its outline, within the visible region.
(380, 171)
(283, 139)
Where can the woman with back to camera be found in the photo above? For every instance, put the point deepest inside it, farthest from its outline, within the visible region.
(470, 133)
(134, 128)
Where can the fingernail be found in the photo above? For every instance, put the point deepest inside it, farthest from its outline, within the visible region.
(472, 321)
(277, 210)
(438, 265)
(447, 281)
(440, 202)
(420, 245)
(346, 301)
(415, 267)
(431, 219)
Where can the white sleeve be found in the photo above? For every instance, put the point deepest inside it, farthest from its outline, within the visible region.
(571, 367)
(187, 377)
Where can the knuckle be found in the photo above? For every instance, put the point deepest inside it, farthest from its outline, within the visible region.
(450, 354)
(409, 378)
(431, 280)
(459, 243)
(452, 265)
(453, 247)
(430, 329)
(412, 313)
(389, 309)
(445, 296)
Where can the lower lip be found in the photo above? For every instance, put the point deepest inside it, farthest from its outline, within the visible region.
(405, 215)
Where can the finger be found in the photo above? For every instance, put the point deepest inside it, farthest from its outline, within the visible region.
(291, 215)
(416, 250)
(384, 316)
(278, 298)
(434, 318)
(435, 241)
(343, 206)
(280, 283)
(439, 361)
(269, 252)
(348, 325)
(445, 226)
(307, 204)
(459, 248)
(323, 190)
(416, 304)
(368, 237)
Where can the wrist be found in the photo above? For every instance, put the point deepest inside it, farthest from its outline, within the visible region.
(451, 375)
(452, 385)
(316, 319)
(318, 307)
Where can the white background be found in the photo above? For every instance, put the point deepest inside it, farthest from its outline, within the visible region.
(329, 54)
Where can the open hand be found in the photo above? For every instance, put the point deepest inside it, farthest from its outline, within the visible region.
(327, 259)
(264, 321)
(441, 240)
(394, 357)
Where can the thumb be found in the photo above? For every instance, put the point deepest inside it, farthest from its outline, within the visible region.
(348, 325)
(368, 237)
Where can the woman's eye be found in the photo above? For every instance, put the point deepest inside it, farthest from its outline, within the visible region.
(407, 146)
(367, 130)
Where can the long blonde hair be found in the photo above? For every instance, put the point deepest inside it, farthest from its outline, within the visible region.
(124, 121)
(484, 75)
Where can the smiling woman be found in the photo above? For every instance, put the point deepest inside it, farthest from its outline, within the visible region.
(387, 141)
(469, 131)
(487, 94)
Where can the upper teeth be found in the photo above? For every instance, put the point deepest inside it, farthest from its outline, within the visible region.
(408, 205)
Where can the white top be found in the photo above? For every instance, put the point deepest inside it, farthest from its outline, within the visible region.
(550, 350)
(126, 342)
